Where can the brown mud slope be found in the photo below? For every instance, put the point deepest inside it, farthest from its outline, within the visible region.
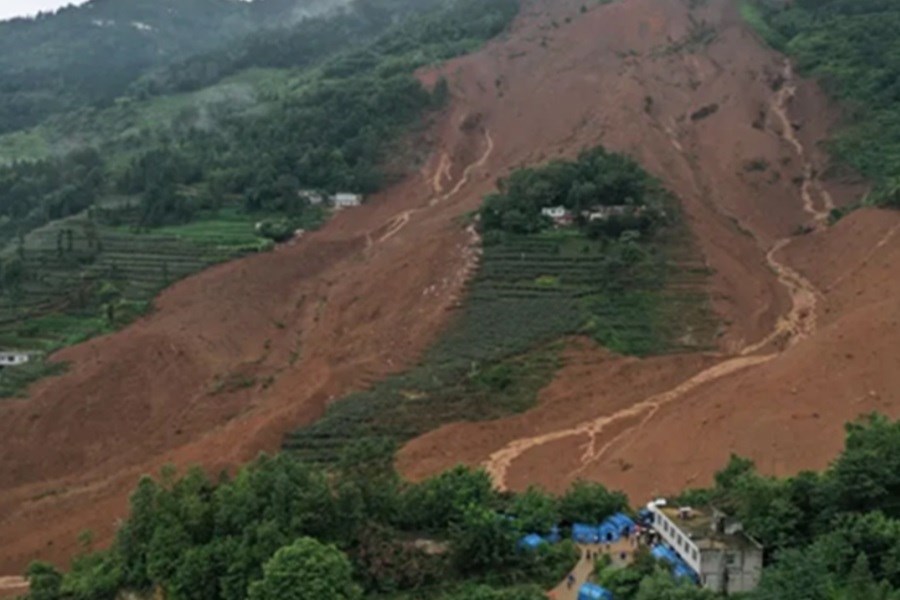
(244, 352)
(235, 357)
(811, 334)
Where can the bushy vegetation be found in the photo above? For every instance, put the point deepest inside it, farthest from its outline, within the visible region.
(89, 55)
(330, 130)
(530, 291)
(853, 48)
(281, 529)
(76, 278)
(597, 179)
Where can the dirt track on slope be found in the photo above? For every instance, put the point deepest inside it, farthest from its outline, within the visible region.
(732, 131)
(238, 355)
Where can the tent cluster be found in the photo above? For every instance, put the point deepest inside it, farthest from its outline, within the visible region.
(609, 531)
(680, 569)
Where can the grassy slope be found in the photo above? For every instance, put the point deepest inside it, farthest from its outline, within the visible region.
(503, 347)
(57, 308)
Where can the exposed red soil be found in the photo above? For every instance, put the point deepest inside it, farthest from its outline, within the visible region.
(237, 356)
(364, 296)
(791, 371)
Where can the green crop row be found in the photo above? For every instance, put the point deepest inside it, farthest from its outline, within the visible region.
(503, 345)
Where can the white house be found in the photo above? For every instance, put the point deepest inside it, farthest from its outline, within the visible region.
(726, 559)
(559, 214)
(313, 197)
(13, 359)
(554, 212)
(346, 200)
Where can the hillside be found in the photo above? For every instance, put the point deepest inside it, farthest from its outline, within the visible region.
(89, 54)
(447, 321)
(339, 120)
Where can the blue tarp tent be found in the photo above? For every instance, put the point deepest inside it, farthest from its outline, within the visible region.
(623, 522)
(553, 537)
(590, 591)
(609, 532)
(585, 534)
(531, 541)
(668, 555)
(664, 553)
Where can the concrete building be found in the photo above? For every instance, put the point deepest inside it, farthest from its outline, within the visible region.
(344, 200)
(13, 358)
(726, 559)
(559, 214)
(313, 197)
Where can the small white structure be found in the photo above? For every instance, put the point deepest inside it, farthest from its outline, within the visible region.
(313, 197)
(560, 215)
(554, 212)
(13, 358)
(603, 213)
(346, 200)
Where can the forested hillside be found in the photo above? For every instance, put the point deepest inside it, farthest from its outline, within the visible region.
(853, 48)
(343, 96)
(89, 54)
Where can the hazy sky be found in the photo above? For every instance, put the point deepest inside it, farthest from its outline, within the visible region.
(21, 8)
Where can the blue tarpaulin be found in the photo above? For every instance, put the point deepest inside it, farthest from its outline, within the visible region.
(590, 591)
(585, 534)
(676, 563)
(609, 532)
(554, 536)
(531, 541)
(623, 522)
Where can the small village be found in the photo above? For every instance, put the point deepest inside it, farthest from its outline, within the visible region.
(704, 546)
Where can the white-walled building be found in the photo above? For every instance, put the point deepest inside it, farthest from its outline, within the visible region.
(13, 358)
(313, 197)
(345, 200)
(559, 214)
(726, 559)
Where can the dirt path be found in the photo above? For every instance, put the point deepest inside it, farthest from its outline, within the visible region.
(585, 567)
(14, 585)
(798, 323)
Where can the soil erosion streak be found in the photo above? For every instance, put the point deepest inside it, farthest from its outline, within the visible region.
(443, 171)
(798, 323)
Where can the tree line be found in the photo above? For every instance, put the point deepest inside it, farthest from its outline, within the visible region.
(281, 529)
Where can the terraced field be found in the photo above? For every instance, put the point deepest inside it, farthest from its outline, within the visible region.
(81, 279)
(529, 293)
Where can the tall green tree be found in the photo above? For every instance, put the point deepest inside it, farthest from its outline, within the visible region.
(306, 570)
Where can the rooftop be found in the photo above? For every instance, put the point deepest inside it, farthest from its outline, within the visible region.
(698, 525)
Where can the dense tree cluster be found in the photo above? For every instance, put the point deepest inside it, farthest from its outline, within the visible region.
(34, 193)
(281, 529)
(90, 54)
(596, 179)
(852, 46)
